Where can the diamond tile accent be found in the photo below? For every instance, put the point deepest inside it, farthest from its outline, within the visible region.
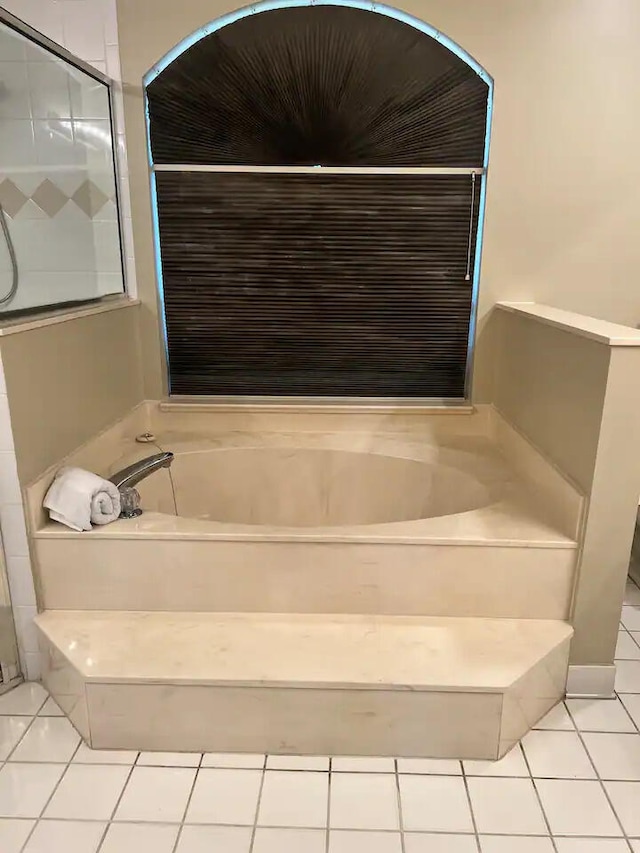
(49, 197)
(11, 198)
(89, 198)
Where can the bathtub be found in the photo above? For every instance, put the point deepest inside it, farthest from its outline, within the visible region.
(424, 520)
(313, 487)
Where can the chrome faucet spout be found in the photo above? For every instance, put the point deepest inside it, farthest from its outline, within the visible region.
(133, 474)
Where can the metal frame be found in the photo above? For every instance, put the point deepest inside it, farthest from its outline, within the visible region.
(416, 23)
(322, 170)
(56, 49)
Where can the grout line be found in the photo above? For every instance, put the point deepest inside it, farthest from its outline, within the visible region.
(473, 817)
(400, 818)
(188, 803)
(115, 808)
(255, 820)
(51, 795)
(599, 779)
(328, 827)
(535, 787)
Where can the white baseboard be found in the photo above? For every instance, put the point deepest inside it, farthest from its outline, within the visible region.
(597, 682)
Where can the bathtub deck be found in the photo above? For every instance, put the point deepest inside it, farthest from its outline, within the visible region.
(318, 684)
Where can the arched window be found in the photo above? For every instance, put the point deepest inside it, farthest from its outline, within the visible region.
(318, 176)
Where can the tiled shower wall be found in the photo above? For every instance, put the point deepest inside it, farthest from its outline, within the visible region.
(88, 29)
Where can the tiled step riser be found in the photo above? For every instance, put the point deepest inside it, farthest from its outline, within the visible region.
(306, 577)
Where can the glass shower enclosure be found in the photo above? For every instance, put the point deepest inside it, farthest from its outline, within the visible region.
(60, 239)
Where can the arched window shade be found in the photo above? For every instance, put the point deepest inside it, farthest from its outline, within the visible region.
(319, 179)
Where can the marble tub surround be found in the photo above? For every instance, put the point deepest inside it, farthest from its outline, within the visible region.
(202, 679)
(333, 543)
(364, 582)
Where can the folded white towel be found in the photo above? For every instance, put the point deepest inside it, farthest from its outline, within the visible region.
(77, 498)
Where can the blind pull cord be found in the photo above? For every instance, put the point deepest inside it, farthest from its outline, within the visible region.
(473, 202)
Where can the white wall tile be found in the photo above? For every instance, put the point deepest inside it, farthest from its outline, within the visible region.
(6, 433)
(14, 531)
(83, 26)
(25, 627)
(32, 668)
(21, 581)
(15, 93)
(10, 492)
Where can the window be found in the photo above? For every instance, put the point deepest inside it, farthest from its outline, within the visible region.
(319, 176)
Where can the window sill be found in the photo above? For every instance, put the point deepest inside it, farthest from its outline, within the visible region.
(51, 318)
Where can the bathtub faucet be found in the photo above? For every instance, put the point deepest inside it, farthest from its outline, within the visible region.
(130, 476)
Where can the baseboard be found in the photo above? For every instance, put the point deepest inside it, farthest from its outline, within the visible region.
(596, 682)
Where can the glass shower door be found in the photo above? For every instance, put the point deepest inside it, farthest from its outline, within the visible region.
(59, 228)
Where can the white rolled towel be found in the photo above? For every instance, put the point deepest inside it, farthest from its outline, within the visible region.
(77, 498)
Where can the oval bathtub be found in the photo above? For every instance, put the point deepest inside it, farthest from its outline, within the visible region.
(307, 487)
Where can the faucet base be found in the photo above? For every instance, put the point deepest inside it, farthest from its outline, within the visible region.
(130, 513)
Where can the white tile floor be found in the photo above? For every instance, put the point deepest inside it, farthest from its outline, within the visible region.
(573, 786)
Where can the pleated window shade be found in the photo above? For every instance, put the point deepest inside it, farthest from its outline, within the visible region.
(283, 280)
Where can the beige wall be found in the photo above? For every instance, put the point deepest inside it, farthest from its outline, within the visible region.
(68, 381)
(578, 401)
(562, 212)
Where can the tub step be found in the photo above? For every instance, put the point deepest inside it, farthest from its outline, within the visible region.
(303, 683)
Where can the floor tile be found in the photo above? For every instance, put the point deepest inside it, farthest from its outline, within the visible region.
(628, 676)
(626, 647)
(48, 739)
(343, 841)
(155, 794)
(65, 836)
(512, 764)
(213, 839)
(636, 846)
(88, 791)
(577, 807)
(25, 699)
(169, 759)
(591, 845)
(294, 799)
(556, 720)
(632, 593)
(420, 842)
(345, 764)
(225, 796)
(51, 709)
(600, 715)
(427, 766)
(635, 636)
(229, 759)
(631, 617)
(514, 844)
(11, 730)
(506, 805)
(13, 834)
(25, 788)
(297, 762)
(140, 838)
(558, 755)
(434, 804)
(364, 801)
(86, 755)
(631, 702)
(616, 756)
(284, 840)
(625, 797)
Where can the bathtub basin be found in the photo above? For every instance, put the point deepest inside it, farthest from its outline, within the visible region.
(307, 487)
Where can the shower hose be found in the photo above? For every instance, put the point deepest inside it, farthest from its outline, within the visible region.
(12, 255)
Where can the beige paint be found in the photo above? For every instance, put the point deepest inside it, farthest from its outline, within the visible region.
(562, 211)
(577, 400)
(66, 382)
